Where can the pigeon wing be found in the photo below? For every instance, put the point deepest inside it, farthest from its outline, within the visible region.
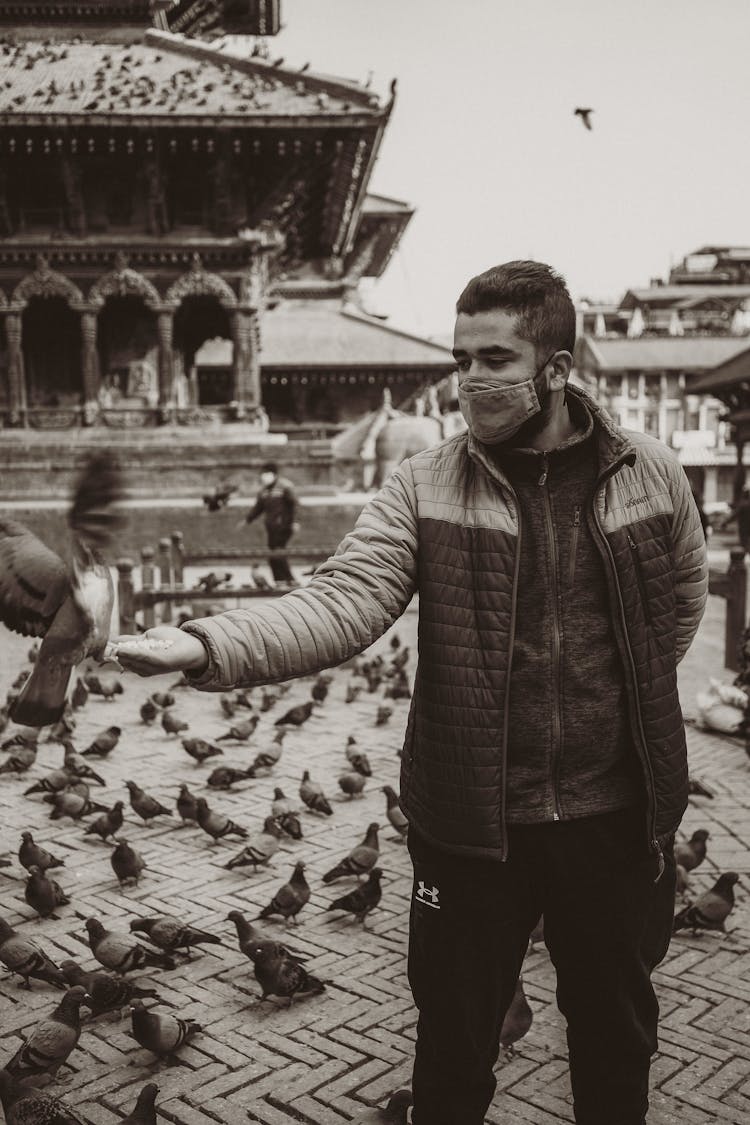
(34, 581)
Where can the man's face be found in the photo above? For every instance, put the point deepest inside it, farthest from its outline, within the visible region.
(266, 479)
(486, 346)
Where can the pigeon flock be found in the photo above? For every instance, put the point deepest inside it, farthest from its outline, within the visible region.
(214, 793)
(159, 775)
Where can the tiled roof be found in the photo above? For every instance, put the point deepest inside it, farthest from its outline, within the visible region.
(160, 75)
(319, 333)
(663, 352)
(672, 294)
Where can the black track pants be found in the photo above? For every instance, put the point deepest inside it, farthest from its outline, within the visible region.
(607, 924)
(278, 537)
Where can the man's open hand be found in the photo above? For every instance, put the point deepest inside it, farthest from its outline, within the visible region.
(158, 650)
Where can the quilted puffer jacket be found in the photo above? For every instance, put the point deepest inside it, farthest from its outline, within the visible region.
(445, 524)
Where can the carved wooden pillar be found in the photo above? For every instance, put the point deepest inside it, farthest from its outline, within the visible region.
(89, 364)
(16, 380)
(245, 359)
(165, 328)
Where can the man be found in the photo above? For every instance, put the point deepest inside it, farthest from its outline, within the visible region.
(277, 502)
(561, 570)
(740, 511)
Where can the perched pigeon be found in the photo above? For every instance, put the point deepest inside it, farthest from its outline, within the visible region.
(260, 848)
(280, 804)
(691, 853)
(144, 1112)
(51, 1041)
(149, 711)
(23, 1105)
(281, 975)
(171, 934)
(359, 761)
(142, 803)
(28, 736)
(289, 823)
(43, 894)
(228, 705)
(711, 909)
(121, 952)
(518, 1020)
(105, 992)
(212, 581)
(394, 813)
(71, 609)
(394, 1113)
(23, 956)
(215, 824)
(107, 686)
(297, 715)
(162, 699)
(383, 715)
(74, 763)
(171, 724)
(32, 855)
(268, 699)
(108, 824)
(241, 731)
(80, 694)
(19, 760)
(72, 804)
(360, 860)
(697, 788)
(53, 782)
(224, 777)
(267, 759)
(62, 729)
(352, 784)
(319, 690)
(187, 806)
(362, 899)
(289, 899)
(161, 1034)
(250, 940)
(127, 863)
(104, 743)
(199, 750)
(312, 795)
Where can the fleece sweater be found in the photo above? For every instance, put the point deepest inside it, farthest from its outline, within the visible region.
(570, 745)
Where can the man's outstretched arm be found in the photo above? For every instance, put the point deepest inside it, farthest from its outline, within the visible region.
(351, 600)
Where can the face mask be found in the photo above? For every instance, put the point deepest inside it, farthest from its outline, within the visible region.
(495, 413)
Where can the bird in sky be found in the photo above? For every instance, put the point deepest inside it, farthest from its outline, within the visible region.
(585, 116)
(69, 606)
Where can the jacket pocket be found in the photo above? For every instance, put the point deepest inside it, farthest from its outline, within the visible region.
(575, 531)
(641, 581)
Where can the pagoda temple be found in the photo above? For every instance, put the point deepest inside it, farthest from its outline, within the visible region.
(160, 195)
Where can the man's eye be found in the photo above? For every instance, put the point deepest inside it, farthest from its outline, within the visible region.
(463, 364)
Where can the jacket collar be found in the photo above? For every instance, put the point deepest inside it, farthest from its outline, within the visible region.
(613, 444)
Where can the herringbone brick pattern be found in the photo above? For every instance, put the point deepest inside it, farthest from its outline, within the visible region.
(325, 1058)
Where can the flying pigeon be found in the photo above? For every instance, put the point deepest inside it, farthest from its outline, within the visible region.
(585, 116)
(69, 606)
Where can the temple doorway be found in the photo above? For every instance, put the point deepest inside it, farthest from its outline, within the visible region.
(51, 335)
(201, 326)
(128, 346)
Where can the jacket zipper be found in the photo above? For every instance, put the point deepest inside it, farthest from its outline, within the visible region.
(506, 716)
(574, 544)
(556, 647)
(642, 752)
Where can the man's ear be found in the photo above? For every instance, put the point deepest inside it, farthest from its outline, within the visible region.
(561, 364)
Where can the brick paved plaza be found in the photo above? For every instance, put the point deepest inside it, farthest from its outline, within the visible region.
(328, 1057)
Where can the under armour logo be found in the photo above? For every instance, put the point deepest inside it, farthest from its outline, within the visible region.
(428, 895)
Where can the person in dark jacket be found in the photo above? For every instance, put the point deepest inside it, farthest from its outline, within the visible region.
(740, 511)
(561, 570)
(277, 503)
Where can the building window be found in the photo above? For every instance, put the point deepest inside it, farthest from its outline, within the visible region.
(633, 384)
(673, 422)
(674, 389)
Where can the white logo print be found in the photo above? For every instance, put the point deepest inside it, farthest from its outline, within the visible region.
(427, 895)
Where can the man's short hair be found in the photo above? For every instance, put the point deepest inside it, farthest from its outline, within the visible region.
(270, 467)
(533, 290)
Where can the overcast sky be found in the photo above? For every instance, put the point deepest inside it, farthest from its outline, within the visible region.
(484, 143)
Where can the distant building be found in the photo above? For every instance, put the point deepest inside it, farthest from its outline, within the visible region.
(650, 360)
